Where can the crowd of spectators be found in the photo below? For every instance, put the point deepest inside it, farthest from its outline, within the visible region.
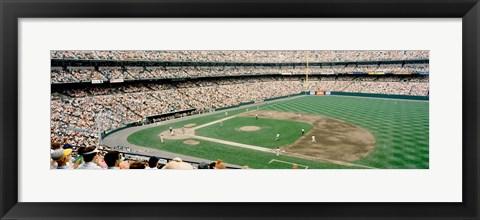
(57, 74)
(114, 108)
(85, 74)
(115, 73)
(139, 73)
(67, 154)
(79, 116)
(101, 109)
(394, 85)
(245, 56)
(93, 114)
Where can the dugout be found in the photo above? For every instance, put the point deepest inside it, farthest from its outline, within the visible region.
(170, 115)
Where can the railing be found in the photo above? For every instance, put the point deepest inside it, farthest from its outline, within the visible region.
(163, 160)
(375, 95)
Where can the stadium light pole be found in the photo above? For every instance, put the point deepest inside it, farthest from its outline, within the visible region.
(100, 118)
(98, 124)
(306, 74)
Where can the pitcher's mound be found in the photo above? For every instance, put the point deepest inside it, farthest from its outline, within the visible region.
(250, 128)
(191, 142)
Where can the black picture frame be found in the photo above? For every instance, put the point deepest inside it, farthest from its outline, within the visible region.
(11, 11)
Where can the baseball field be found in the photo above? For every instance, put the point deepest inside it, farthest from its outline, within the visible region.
(339, 133)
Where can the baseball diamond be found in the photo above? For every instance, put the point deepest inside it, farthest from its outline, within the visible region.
(235, 109)
(352, 132)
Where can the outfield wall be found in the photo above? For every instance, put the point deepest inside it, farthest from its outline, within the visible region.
(409, 97)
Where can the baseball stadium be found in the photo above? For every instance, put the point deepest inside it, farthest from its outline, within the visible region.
(240, 109)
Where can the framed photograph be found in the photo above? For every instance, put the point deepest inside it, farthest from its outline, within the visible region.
(259, 109)
(161, 109)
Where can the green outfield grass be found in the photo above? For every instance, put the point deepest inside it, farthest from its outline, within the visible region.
(265, 137)
(239, 156)
(400, 127)
(213, 151)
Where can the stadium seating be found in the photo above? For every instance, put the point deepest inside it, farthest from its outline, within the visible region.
(82, 112)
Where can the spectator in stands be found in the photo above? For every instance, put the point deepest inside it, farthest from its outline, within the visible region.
(152, 163)
(90, 158)
(178, 164)
(66, 144)
(77, 161)
(124, 165)
(112, 159)
(212, 165)
(203, 165)
(220, 165)
(137, 165)
(55, 145)
(63, 158)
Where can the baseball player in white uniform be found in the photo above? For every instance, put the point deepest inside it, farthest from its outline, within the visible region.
(277, 151)
(161, 138)
(277, 137)
(313, 139)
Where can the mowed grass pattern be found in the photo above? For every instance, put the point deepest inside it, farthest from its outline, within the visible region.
(289, 131)
(240, 156)
(212, 151)
(401, 127)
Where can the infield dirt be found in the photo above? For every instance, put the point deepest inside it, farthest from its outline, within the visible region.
(335, 139)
